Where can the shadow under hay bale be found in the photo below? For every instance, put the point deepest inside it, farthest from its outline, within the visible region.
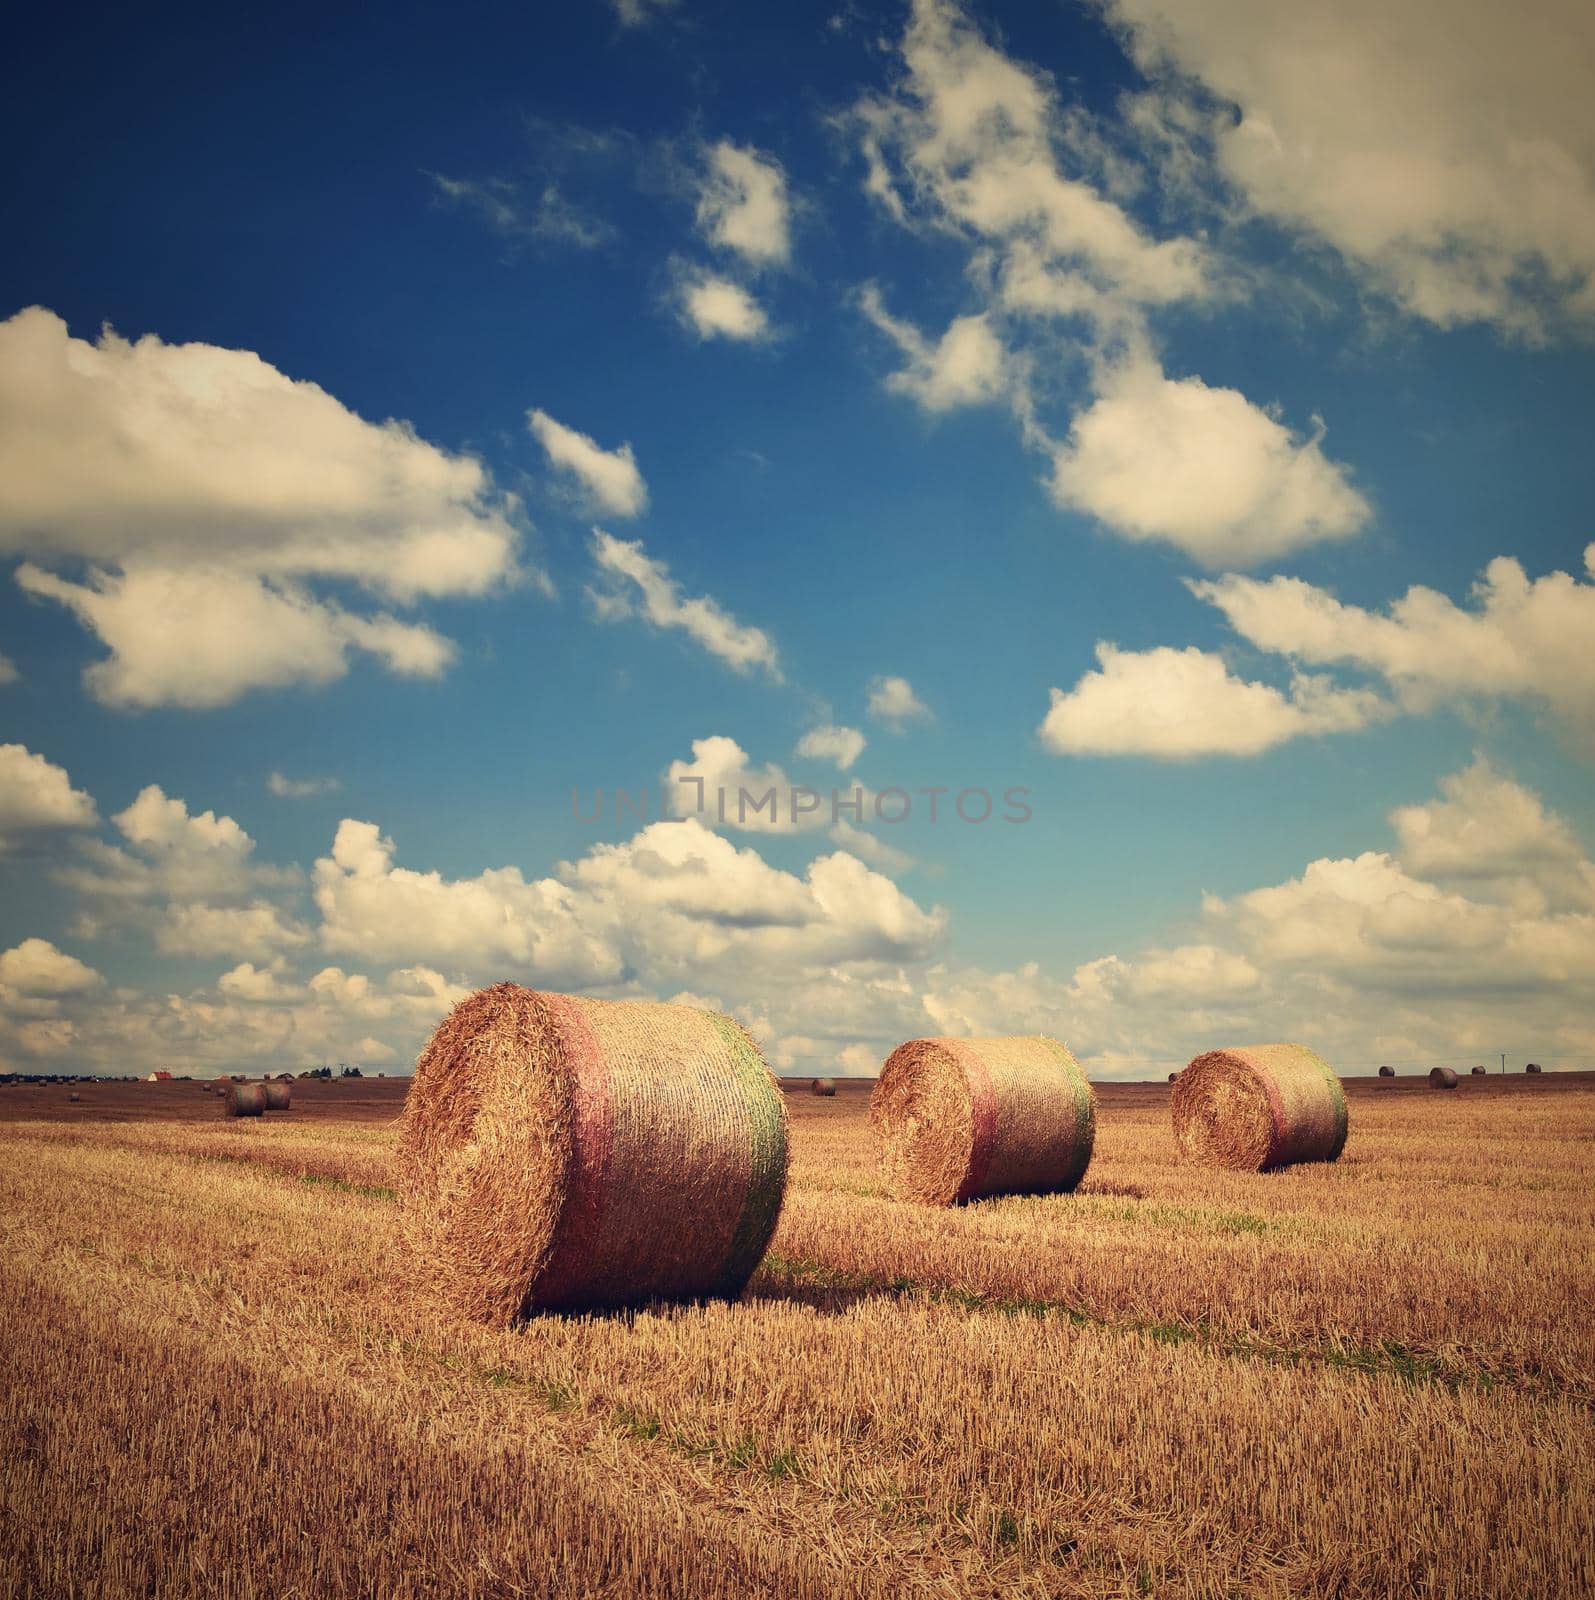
(1442, 1078)
(824, 1086)
(560, 1153)
(246, 1099)
(957, 1119)
(1258, 1107)
(1387, 1072)
(279, 1097)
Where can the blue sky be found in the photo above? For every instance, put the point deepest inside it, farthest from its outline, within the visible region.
(1133, 397)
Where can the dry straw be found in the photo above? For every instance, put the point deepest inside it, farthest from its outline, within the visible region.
(825, 1086)
(246, 1099)
(955, 1119)
(279, 1097)
(1442, 1078)
(1258, 1107)
(558, 1153)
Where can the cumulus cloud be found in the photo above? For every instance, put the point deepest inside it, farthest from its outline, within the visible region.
(36, 968)
(189, 879)
(841, 746)
(207, 492)
(1179, 704)
(718, 308)
(966, 366)
(37, 796)
(1445, 147)
(286, 788)
(892, 700)
(1202, 469)
(720, 788)
(608, 479)
(633, 583)
(1521, 638)
(743, 204)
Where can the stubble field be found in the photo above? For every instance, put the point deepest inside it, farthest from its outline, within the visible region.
(1367, 1379)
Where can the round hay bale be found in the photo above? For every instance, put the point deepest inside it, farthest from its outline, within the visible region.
(1533, 1066)
(1442, 1078)
(956, 1119)
(1387, 1072)
(825, 1086)
(560, 1153)
(1477, 1072)
(1173, 1076)
(279, 1097)
(74, 1095)
(1258, 1107)
(246, 1099)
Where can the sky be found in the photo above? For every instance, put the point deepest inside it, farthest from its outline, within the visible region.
(1163, 427)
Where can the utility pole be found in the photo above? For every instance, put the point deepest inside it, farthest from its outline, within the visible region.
(1503, 1061)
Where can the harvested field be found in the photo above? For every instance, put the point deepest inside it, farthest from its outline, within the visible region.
(1369, 1377)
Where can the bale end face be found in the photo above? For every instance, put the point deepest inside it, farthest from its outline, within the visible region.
(1387, 1072)
(1258, 1107)
(823, 1086)
(564, 1153)
(959, 1119)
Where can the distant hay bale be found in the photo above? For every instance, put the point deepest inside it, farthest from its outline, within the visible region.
(74, 1095)
(1387, 1072)
(560, 1153)
(956, 1119)
(1258, 1107)
(246, 1099)
(1533, 1066)
(825, 1086)
(279, 1097)
(1477, 1072)
(1173, 1076)
(1442, 1078)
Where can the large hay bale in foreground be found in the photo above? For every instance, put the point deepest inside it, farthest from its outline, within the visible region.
(246, 1099)
(1442, 1078)
(824, 1086)
(564, 1153)
(955, 1119)
(1258, 1107)
(279, 1097)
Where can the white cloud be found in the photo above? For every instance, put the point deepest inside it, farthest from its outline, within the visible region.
(893, 701)
(636, 584)
(719, 788)
(1179, 704)
(715, 307)
(609, 478)
(384, 913)
(871, 848)
(8, 670)
(1521, 639)
(189, 879)
(1203, 469)
(286, 788)
(1496, 840)
(977, 142)
(966, 366)
(841, 746)
(1445, 147)
(743, 204)
(36, 795)
(206, 491)
(36, 968)
(639, 13)
(201, 637)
